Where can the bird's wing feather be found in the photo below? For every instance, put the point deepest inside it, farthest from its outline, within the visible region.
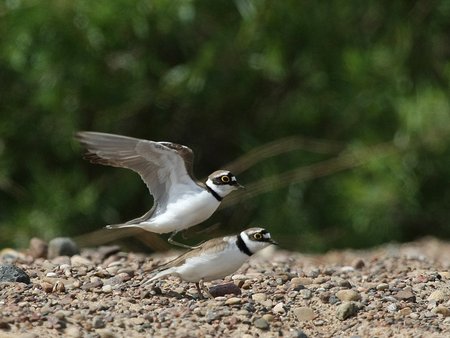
(209, 247)
(163, 166)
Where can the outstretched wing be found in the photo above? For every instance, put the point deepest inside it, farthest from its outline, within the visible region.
(163, 166)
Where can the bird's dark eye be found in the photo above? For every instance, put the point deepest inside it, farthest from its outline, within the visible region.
(225, 179)
(257, 236)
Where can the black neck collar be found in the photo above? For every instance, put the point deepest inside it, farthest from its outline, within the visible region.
(214, 193)
(242, 246)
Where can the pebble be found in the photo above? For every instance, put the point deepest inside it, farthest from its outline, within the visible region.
(382, 286)
(77, 260)
(38, 248)
(301, 281)
(305, 293)
(105, 333)
(98, 323)
(47, 287)
(259, 297)
(107, 288)
(304, 313)
(406, 311)
(442, 310)
(348, 295)
(73, 332)
(233, 301)
(62, 246)
(279, 308)
(224, 289)
(439, 295)
(358, 264)
(346, 310)
(406, 295)
(261, 323)
(392, 307)
(12, 273)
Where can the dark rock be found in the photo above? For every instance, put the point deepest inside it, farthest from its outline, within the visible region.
(62, 246)
(224, 289)
(11, 273)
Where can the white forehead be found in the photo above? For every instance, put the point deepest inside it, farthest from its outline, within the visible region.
(266, 235)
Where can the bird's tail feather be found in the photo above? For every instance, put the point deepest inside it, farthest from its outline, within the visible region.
(160, 274)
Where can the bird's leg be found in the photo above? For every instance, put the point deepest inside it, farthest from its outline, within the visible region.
(205, 289)
(200, 295)
(173, 242)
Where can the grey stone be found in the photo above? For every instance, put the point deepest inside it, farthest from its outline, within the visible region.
(11, 273)
(346, 310)
(261, 323)
(62, 246)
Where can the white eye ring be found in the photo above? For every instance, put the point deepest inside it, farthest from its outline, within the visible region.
(257, 236)
(225, 179)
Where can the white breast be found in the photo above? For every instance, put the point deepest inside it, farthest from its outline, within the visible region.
(211, 266)
(183, 212)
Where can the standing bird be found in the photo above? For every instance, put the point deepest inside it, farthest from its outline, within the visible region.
(166, 168)
(215, 259)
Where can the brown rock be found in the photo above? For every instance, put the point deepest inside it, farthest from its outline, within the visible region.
(224, 289)
(304, 313)
(38, 248)
(406, 295)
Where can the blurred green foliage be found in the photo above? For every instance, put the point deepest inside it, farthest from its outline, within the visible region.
(225, 77)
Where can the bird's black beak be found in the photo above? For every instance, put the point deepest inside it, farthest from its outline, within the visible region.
(271, 241)
(240, 186)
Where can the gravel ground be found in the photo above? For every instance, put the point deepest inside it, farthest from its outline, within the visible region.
(390, 291)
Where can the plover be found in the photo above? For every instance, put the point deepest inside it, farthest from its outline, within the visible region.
(215, 259)
(167, 169)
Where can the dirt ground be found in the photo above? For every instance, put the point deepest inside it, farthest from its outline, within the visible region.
(389, 291)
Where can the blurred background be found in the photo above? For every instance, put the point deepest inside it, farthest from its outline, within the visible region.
(335, 115)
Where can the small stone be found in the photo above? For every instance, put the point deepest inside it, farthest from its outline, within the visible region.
(305, 293)
(47, 287)
(224, 289)
(298, 334)
(62, 246)
(346, 310)
(382, 286)
(98, 323)
(106, 333)
(406, 311)
(259, 297)
(11, 273)
(304, 313)
(358, 264)
(279, 308)
(261, 323)
(73, 332)
(439, 295)
(77, 260)
(59, 287)
(51, 275)
(301, 281)
(107, 288)
(405, 295)
(392, 307)
(233, 301)
(268, 317)
(442, 310)
(38, 248)
(348, 295)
